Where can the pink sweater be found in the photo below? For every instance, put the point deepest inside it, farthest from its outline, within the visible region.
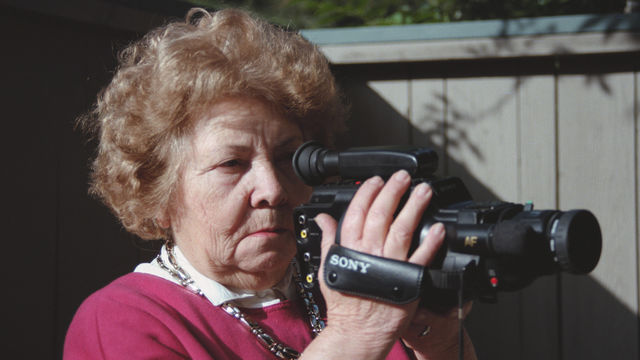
(141, 316)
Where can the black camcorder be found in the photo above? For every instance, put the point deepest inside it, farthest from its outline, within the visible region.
(489, 246)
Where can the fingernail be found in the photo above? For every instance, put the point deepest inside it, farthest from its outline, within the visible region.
(401, 175)
(437, 228)
(376, 180)
(422, 189)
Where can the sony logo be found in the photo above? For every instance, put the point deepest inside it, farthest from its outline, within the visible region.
(348, 263)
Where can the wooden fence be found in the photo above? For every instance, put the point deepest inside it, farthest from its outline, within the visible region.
(539, 110)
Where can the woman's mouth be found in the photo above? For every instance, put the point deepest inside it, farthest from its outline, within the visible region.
(269, 232)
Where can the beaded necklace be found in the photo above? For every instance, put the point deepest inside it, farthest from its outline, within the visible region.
(278, 349)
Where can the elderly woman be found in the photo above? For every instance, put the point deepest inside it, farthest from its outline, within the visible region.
(197, 130)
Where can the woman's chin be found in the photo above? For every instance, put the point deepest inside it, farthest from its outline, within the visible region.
(268, 252)
(272, 261)
(267, 257)
(263, 273)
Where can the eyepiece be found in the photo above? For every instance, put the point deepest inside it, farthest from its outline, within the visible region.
(309, 163)
(577, 240)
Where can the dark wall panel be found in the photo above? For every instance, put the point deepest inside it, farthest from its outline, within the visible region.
(62, 245)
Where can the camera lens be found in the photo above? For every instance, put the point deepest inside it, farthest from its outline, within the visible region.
(577, 240)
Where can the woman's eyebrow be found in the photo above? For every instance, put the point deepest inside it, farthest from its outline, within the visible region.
(289, 142)
(286, 143)
(234, 148)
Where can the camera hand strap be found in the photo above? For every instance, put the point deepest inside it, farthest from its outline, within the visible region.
(371, 276)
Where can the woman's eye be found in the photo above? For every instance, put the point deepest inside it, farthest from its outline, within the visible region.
(285, 162)
(230, 163)
(286, 157)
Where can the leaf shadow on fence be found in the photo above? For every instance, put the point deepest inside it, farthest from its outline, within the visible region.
(605, 26)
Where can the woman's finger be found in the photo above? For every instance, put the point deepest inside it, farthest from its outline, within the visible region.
(403, 227)
(428, 249)
(381, 213)
(424, 316)
(352, 225)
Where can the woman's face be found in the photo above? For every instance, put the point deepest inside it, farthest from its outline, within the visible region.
(236, 195)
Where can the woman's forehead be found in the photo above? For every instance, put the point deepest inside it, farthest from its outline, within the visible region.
(245, 120)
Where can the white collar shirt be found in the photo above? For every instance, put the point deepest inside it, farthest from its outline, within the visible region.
(217, 293)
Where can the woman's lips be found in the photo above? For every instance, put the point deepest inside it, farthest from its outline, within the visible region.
(269, 232)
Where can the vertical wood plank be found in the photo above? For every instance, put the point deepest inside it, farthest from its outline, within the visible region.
(379, 112)
(597, 171)
(483, 146)
(537, 141)
(537, 168)
(482, 135)
(636, 119)
(427, 117)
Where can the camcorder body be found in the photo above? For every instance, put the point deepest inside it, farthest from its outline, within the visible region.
(489, 246)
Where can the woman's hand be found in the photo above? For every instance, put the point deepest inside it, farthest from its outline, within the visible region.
(435, 336)
(365, 328)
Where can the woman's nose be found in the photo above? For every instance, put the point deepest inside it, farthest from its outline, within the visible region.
(268, 189)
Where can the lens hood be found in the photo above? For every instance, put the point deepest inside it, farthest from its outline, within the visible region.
(577, 240)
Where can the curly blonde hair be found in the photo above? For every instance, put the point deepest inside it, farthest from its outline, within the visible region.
(166, 81)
